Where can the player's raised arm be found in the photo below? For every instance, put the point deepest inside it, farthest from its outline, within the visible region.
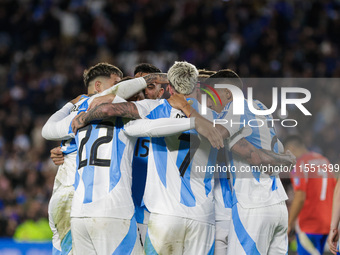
(56, 127)
(152, 78)
(128, 88)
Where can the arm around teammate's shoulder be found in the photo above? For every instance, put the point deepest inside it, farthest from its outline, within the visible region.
(105, 111)
(56, 127)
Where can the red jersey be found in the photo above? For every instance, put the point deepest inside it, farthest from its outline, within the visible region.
(312, 175)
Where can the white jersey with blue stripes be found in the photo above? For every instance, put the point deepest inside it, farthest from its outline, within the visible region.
(178, 182)
(103, 180)
(222, 194)
(252, 188)
(65, 175)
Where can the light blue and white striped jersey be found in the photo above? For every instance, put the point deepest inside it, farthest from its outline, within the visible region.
(223, 187)
(178, 182)
(69, 146)
(66, 174)
(252, 188)
(222, 191)
(139, 171)
(103, 180)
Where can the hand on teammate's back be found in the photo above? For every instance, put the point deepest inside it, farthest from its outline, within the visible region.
(57, 156)
(203, 126)
(177, 101)
(78, 122)
(206, 129)
(101, 100)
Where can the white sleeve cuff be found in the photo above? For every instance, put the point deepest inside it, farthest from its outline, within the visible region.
(118, 99)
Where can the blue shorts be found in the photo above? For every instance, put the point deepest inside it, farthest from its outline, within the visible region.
(309, 242)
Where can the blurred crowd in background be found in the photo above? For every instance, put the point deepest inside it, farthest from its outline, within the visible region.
(45, 45)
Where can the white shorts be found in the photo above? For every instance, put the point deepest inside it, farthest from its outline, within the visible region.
(59, 210)
(221, 239)
(105, 236)
(259, 230)
(142, 227)
(176, 235)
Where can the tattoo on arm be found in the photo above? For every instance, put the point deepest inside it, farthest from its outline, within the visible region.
(153, 77)
(79, 119)
(256, 156)
(247, 151)
(107, 110)
(275, 159)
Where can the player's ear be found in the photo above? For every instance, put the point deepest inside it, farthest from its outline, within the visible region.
(160, 93)
(97, 86)
(171, 90)
(228, 94)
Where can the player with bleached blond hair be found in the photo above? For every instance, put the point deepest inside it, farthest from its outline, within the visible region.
(178, 196)
(102, 209)
(180, 200)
